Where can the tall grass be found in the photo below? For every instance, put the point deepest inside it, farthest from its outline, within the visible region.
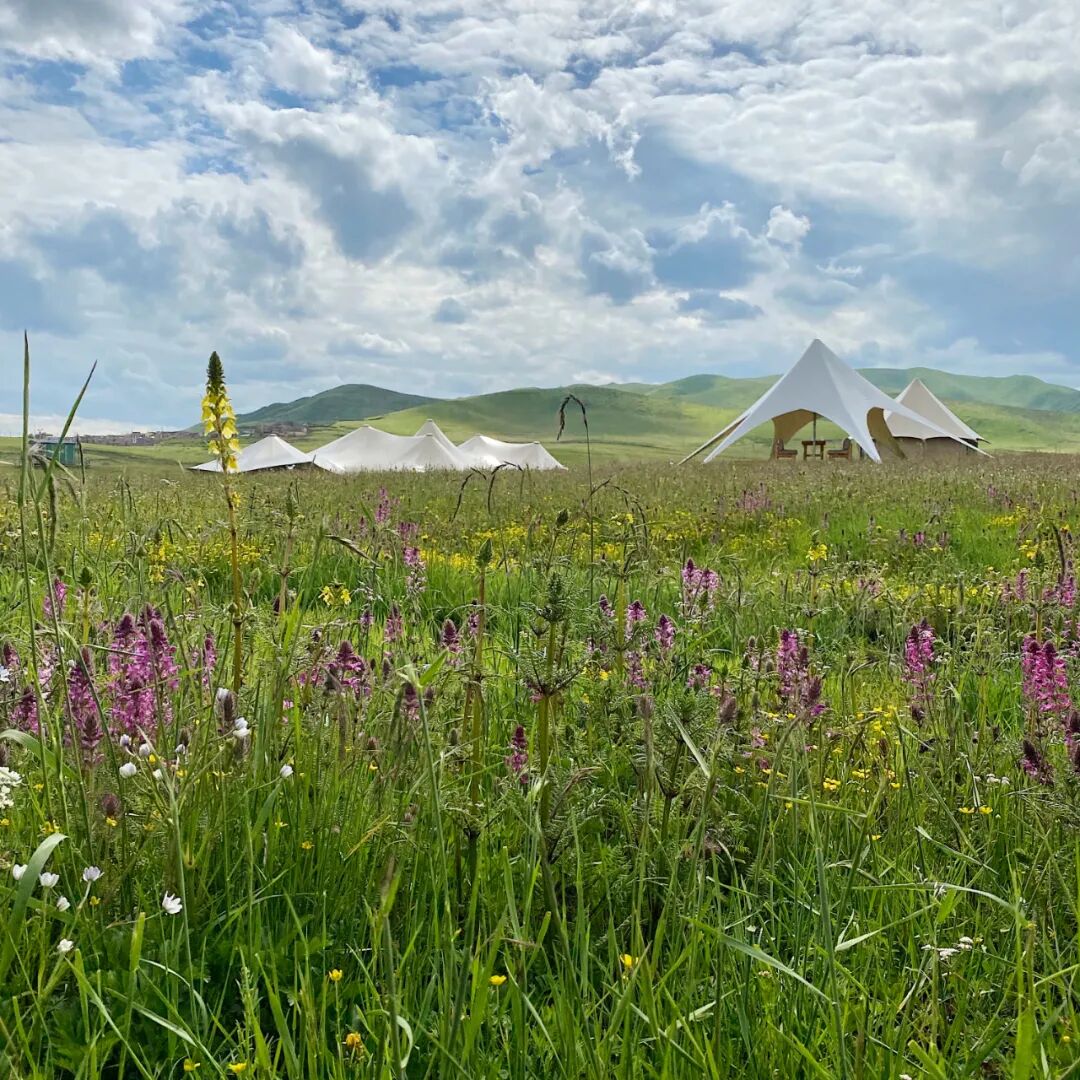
(690, 875)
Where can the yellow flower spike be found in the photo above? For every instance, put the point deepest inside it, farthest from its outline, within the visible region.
(336, 975)
(497, 980)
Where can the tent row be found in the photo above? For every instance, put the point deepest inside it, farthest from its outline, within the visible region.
(368, 449)
(821, 386)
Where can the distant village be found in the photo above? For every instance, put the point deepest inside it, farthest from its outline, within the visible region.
(156, 438)
(46, 442)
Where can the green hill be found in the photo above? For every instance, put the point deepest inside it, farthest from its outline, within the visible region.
(1017, 391)
(620, 423)
(665, 421)
(353, 401)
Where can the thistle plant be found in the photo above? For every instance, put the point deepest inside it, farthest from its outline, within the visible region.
(219, 425)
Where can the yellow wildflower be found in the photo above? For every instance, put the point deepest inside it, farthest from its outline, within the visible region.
(191, 1066)
(353, 1041)
(497, 980)
(336, 975)
(629, 962)
(237, 1067)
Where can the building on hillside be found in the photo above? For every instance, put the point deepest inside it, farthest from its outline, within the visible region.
(46, 446)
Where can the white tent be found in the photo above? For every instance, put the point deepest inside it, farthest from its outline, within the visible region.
(269, 453)
(919, 397)
(485, 452)
(821, 384)
(367, 449)
(429, 427)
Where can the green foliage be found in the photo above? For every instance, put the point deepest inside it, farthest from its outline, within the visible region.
(707, 879)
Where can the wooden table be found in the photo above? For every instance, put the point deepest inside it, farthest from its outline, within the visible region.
(814, 448)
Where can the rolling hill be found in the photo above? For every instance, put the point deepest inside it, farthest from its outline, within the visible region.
(664, 421)
(1019, 391)
(353, 401)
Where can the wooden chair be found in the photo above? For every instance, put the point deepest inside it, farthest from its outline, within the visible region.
(843, 454)
(779, 451)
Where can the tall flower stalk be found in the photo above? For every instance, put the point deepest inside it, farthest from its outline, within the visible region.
(219, 426)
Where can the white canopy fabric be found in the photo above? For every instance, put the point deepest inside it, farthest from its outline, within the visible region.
(821, 384)
(368, 449)
(429, 427)
(920, 398)
(269, 453)
(485, 453)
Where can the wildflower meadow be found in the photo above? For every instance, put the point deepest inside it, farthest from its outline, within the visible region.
(754, 769)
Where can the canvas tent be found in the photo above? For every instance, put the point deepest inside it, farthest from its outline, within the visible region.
(485, 453)
(821, 385)
(429, 427)
(269, 453)
(918, 435)
(369, 449)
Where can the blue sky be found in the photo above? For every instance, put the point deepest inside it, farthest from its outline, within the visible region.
(452, 197)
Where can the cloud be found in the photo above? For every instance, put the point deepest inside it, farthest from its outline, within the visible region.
(718, 306)
(451, 311)
(325, 193)
(89, 31)
(785, 227)
(294, 64)
(53, 423)
(30, 302)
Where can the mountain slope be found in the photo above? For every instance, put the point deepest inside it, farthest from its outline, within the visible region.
(353, 401)
(1015, 391)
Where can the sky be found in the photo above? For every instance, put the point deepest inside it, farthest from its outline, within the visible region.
(453, 196)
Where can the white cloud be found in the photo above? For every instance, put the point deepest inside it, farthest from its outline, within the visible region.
(294, 64)
(786, 227)
(460, 197)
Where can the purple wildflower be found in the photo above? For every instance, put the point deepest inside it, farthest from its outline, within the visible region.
(517, 761)
(416, 576)
(699, 585)
(24, 714)
(635, 613)
(799, 690)
(919, 662)
(55, 600)
(350, 671)
(665, 634)
(699, 677)
(82, 703)
(1035, 764)
(450, 640)
(1045, 682)
(395, 627)
(635, 670)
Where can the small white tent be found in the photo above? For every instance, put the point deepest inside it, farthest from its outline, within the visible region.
(485, 453)
(269, 453)
(920, 398)
(368, 449)
(429, 427)
(820, 384)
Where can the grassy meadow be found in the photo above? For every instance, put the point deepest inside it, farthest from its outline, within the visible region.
(757, 769)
